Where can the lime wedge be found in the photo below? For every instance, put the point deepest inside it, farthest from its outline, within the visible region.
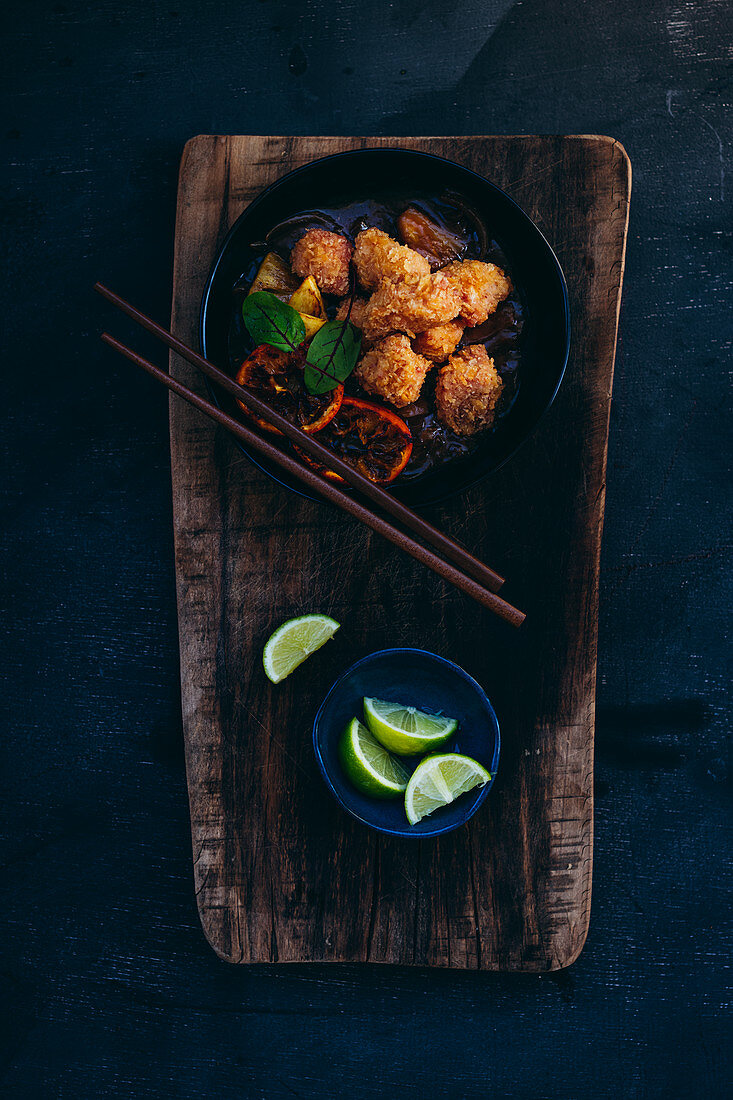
(439, 780)
(368, 765)
(406, 730)
(295, 640)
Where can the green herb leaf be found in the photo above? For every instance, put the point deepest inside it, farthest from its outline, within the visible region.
(332, 356)
(270, 321)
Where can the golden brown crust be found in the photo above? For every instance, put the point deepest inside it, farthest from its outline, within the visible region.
(378, 257)
(356, 317)
(479, 287)
(326, 256)
(392, 370)
(401, 307)
(440, 341)
(467, 391)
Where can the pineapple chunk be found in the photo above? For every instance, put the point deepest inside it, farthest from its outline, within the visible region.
(309, 304)
(275, 276)
(307, 299)
(312, 325)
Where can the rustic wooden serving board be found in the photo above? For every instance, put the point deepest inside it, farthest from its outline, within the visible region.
(281, 873)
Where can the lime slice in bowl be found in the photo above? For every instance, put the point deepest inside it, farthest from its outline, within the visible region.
(368, 765)
(293, 642)
(439, 780)
(406, 730)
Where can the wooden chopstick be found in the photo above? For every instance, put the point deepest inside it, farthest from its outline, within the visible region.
(419, 526)
(329, 491)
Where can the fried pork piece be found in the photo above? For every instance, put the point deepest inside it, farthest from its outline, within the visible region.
(356, 317)
(326, 256)
(357, 311)
(392, 370)
(440, 341)
(378, 257)
(479, 286)
(400, 307)
(467, 390)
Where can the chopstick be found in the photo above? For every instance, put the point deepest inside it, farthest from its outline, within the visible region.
(328, 490)
(390, 504)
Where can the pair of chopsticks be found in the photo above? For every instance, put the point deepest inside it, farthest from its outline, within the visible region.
(468, 574)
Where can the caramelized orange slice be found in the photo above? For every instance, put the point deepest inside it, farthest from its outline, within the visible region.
(276, 377)
(372, 439)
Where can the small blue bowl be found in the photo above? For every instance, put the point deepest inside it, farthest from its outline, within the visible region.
(416, 678)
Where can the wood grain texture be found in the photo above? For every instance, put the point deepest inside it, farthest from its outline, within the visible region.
(281, 873)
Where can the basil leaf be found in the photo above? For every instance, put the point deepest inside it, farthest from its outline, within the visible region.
(332, 356)
(270, 321)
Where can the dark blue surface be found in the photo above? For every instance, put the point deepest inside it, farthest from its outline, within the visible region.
(419, 679)
(107, 986)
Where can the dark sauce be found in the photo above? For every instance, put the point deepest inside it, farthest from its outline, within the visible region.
(433, 444)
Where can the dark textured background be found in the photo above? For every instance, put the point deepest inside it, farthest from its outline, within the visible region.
(107, 987)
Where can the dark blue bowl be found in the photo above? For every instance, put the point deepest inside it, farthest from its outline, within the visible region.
(423, 680)
(533, 265)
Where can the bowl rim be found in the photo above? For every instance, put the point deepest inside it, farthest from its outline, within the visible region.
(493, 767)
(420, 155)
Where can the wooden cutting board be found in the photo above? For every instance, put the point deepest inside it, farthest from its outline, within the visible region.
(281, 873)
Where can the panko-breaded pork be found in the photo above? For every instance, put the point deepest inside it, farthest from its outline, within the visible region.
(356, 317)
(401, 307)
(377, 257)
(440, 341)
(392, 370)
(326, 256)
(479, 286)
(467, 390)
